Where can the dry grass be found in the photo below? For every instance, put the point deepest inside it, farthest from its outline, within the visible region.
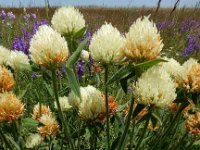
(122, 18)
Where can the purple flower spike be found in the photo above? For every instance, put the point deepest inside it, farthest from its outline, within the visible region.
(37, 24)
(80, 69)
(3, 16)
(26, 18)
(34, 16)
(11, 15)
(187, 25)
(192, 46)
(33, 76)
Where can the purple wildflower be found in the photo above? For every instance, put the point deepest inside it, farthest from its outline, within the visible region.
(26, 18)
(34, 16)
(187, 25)
(11, 15)
(192, 46)
(33, 76)
(37, 24)
(3, 16)
(80, 68)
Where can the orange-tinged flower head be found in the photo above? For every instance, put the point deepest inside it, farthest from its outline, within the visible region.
(48, 48)
(7, 81)
(50, 125)
(11, 108)
(193, 124)
(39, 111)
(112, 105)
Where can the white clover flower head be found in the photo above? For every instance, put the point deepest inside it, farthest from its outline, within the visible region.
(85, 55)
(17, 59)
(191, 75)
(48, 48)
(174, 68)
(74, 100)
(143, 41)
(92, 105)
(107, 45)
(67, 20)
(64, 104)
(4, 54)
(33, 140)
(155, 87)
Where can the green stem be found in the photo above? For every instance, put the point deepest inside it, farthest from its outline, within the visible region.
(180, 143)
(143, 133)
(107, 107)
(132, 133)
(60, 111)
(121, 142)
(93, 140)
(5, 140)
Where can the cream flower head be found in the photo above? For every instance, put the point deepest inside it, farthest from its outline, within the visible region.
(48, 48)
(11, 108)
(155, 87)
(107, 45)
(64, 103)
(17, 59)
(143, 41)
(191, 75)
(67, 20)
(33, 140)
(174, 68)
(4, 54)
(92, 106)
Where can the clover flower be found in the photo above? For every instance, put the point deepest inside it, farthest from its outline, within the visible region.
(4, 54)
(7, 81)
(11, 108)
(48, 48)
(67, 20)
(143, 41)
(107, 45)
(155, 87)
(17, 59)
(33, 140)
(64, 104)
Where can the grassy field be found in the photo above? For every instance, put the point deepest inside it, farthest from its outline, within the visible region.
(117, 119)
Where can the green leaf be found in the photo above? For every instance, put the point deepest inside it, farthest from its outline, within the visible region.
(13, 142)
(121, 73)
(148, 64)
(73, 83)
(75, 56)
(79, 33)
(30, 123)
(25, 66)
(154, 116)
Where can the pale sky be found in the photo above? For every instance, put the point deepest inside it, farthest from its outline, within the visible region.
(108, 3)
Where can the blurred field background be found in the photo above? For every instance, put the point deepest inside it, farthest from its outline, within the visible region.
(170, 22)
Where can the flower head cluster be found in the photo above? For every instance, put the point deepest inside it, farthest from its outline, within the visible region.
(91, 106)
(11, 108)
(191, 76)
(193, 124)
(64, 103)
(4, 54)
(107, 45)
(48, 48)
(143, 41)
(67, 20)
(155, 87)
(44, 115)
(17, 59)
(7, 81)
(33, 140)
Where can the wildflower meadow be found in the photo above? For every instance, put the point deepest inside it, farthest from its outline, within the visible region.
(69, 85)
